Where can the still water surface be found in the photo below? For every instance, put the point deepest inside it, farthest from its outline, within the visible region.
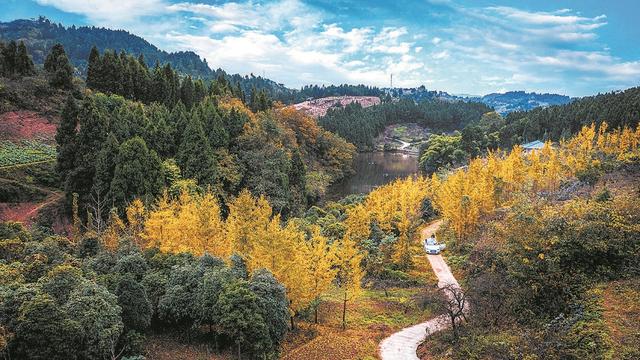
(372, 170)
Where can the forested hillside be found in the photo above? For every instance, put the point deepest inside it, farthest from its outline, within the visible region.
(492, 131)
(178, 134)
(542, 240)
(41, 34)
(618, 108)
(153, 208)
(361, 125)
(511, 101)
(503, 103)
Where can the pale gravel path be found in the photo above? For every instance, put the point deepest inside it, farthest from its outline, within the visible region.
(403, 344)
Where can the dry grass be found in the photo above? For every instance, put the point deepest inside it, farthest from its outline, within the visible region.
(167, 347)
(621, 302)
(371, 318)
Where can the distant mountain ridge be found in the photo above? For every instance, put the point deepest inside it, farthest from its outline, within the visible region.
(503, 103)
(521, 101)
(41, 34)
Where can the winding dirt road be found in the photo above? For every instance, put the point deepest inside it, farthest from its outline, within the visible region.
(403, 344)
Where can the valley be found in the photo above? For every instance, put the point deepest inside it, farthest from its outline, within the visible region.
(405, 138)
(152, 207)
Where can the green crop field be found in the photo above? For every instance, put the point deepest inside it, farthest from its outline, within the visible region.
(25, 152)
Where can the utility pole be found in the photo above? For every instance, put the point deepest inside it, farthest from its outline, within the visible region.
(391, 84)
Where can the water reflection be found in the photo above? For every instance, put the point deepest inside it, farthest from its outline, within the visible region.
(372, 170)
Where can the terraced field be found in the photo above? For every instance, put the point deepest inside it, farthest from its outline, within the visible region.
(25, 152)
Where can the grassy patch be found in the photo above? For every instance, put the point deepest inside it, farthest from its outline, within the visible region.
(621, 302)
(371, 318)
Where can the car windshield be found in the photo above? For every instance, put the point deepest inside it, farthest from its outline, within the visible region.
(431, 241)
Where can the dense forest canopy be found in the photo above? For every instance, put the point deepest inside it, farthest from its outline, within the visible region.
(112, 150)
(361, 125)
(554, 123)
(618, 108)
(191, 214)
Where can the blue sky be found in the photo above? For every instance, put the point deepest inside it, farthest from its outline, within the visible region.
(471, 47)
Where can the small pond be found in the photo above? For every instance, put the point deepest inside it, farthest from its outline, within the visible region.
(372, 170)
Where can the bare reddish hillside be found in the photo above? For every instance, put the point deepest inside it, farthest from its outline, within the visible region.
(26, 125)
(319, 107)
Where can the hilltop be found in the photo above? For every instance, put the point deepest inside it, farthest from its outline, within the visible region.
(319, 107)
(40, 34)
(503, 103)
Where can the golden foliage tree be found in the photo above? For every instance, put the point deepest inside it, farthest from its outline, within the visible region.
(348, 260)
(321, 265)
(247, 222)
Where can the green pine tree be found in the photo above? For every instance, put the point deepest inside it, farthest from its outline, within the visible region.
(24, 64)
(58, 68)
(9, 58)
(66, 138)
(137, 173)
(195, 156)
(94, 69)
(105, 166)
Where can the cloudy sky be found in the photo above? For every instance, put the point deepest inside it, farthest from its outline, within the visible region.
(464, 47)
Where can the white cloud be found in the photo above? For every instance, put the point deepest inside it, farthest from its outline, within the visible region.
(440, 55)
(101, 11)
(480, 49)
(542, 18)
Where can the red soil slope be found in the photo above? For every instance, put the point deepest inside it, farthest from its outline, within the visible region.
(26, 125)
(319, 107)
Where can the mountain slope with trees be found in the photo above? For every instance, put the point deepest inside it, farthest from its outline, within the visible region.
(361, 125)
(493, 131)
(40, 35)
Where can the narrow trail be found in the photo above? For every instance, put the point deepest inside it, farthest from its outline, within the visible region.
(26, 214)
(403, 344)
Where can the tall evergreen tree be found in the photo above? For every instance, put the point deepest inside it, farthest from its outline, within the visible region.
(195, 156)
(59, 68)
(2, 48)
(297, 182)
(187, 92)
(159, 134)
(105, 166)
(66, 138)
(212, 124)
(234, 122)
(24, 64)
(178, 120)
(94, 69)
(9, 58)
(93, 132)
(137, 173)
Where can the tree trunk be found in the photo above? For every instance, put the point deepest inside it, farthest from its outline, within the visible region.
(316, 314)
(454, 327)
(239, 353)
(293, 324)
(344, 313)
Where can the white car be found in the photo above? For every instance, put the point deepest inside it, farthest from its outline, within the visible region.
(432, 247)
